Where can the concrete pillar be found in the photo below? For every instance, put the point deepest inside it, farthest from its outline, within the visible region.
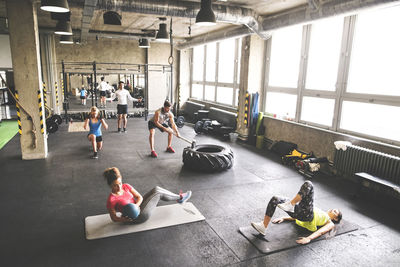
(241, 128)
(24, 42)
(49, 70)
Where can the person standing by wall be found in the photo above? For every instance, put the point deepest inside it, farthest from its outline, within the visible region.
(103, 87)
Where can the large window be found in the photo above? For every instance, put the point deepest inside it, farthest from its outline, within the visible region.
(285, 57)
(375, 57)
(216, 68)
(339, 74)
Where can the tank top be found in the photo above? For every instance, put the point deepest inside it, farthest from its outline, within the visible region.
(95, 128)
(162, 117)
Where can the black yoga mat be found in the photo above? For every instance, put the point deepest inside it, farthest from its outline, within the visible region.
(283, 236)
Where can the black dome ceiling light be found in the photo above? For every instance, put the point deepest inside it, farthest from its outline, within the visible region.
(144, 43)
(58, 6)
(162, 34)
(112, 18)
(206, 16)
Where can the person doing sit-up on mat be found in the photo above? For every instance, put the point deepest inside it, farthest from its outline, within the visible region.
(301, 210)
(133, 207)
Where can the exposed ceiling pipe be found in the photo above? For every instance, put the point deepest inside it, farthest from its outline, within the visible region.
(223, 13)
(215, 36)
(306, 14)
(87, 15)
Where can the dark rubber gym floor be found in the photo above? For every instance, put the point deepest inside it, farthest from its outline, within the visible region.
(44, 203)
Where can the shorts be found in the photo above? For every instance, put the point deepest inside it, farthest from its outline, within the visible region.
(98, 138)
(102, 93)
(122, 109)
(83, 97)
(152, 125)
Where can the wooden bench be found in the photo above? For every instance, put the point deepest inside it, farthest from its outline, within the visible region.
(366, 177)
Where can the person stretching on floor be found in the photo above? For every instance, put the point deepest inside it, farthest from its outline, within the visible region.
(132, 206)
(161, 118)
(95, 122)
(301, 210)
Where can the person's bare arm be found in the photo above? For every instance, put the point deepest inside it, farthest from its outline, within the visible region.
(282, 219)
(137, 195)
(115, 218)
(171, 119)
(105, 125)
(321, 231)
(85, 125)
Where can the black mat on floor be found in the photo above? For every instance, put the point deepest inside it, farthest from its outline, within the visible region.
(145, 155)
(283, 236)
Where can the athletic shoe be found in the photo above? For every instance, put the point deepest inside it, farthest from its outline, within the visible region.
(125, 131)
(170, 150)
(184, 197)
(153, 154)
(286, 206)
(95, 156)
(119, 130)
(259, 226)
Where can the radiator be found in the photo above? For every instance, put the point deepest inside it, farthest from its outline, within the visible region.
(359, 159)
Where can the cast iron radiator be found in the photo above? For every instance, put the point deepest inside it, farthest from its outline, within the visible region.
(359, 159)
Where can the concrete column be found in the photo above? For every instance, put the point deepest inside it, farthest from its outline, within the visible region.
(243, 86)
(24, 42)
(49, 69)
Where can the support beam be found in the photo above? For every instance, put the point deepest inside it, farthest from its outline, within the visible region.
(24, 42)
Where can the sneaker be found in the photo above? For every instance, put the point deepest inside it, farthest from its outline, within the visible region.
(259, 226)
(125, 131)
(184, 197)
(153, 154)
(95, 156)
(170, 150)
(119, 130)
(286, 206)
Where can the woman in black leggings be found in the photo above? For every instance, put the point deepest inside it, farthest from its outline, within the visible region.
(301, 209)
(130, 203)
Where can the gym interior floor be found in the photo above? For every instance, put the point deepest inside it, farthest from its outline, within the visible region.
(44, 204)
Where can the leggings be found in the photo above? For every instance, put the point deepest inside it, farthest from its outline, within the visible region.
(150, 201)
(303, 211)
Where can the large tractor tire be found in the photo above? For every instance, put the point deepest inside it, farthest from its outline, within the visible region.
(208, 158)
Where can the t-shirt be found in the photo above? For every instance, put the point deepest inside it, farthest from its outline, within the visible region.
(123, 96)
(117, 202)
(83, 92)
(103, 86)
(320, 219)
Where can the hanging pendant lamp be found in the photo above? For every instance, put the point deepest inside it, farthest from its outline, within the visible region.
(206, 16)
(63, 27)
(58, 6)
(66, 39)
(162, 34)
(144, 43)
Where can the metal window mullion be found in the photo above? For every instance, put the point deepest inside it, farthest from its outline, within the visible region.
(204, 70)
(216, 70)
(191, 70)
(320, 93)
(267, 63)
(235, 69)
(285, 90)
(302, 69)
(344, 65)
(382, 100)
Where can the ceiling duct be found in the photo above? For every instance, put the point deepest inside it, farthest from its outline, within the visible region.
(112, 18)
(185, 9)
(87, 15)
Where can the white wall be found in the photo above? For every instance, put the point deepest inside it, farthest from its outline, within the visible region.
(5, 52)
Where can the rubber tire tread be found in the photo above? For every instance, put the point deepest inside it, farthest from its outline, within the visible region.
(208, 161)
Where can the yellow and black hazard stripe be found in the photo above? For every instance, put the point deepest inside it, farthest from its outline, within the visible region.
(246, 109)
(41, 113)
(44, 94)
(56, 87)
(18, 113)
